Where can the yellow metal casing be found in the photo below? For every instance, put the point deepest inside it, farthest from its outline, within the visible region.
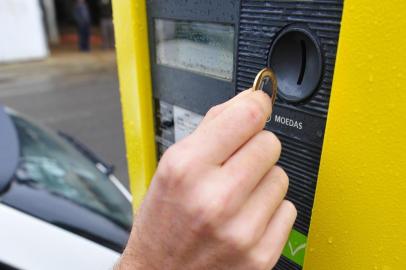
(130, 20)
(359, 215)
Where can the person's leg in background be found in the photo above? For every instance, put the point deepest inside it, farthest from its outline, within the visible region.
(104, 33)
(84, 38)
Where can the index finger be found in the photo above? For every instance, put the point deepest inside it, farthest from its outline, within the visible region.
(219, 138)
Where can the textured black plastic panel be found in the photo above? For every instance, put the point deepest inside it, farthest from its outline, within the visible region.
(260, 22)
(257, 23)
(285, 264)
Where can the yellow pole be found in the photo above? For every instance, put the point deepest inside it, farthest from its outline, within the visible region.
(359, 215)
(130, 21)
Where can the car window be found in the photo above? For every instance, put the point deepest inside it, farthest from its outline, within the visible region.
(5, 266)
(49, 162)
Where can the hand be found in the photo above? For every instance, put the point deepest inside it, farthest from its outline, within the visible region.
(216, 200)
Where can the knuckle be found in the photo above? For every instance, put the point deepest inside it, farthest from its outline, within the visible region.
(254, 111)
(281, 177)
(291, 207)
(174, 166)
(207, 214)
(272, 261)
(268, 144)
(236, 241)
(261, 261)
(239, 176)
(274, 141)
(216, 210)
(214, 111)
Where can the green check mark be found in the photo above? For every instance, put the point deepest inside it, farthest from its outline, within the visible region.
(295, 248)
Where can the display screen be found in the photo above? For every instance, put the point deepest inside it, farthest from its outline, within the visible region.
(206, 48)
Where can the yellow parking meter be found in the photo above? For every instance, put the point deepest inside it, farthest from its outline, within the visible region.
(339, 113)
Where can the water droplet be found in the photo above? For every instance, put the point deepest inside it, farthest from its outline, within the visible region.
(330, 240)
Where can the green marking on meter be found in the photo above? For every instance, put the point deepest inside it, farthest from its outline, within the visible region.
(295, 247)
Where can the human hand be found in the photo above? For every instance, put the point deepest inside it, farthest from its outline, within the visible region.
(217, 198)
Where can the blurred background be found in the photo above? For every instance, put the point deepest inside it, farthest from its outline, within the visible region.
(63, 170)
(57, 66)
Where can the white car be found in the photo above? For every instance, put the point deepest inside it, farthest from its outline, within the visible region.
(60, 206)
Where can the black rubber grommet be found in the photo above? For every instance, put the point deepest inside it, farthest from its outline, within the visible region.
(296, 58)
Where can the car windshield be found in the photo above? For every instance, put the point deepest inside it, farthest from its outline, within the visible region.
(51, 163)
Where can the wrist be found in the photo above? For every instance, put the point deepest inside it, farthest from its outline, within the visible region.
(133, 257)
(128, 262)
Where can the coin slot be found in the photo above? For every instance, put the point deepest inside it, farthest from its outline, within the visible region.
(296, 59)
(303, 68)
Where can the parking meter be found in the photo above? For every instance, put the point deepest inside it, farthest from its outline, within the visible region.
(335, 63)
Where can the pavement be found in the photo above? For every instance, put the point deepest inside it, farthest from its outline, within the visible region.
(73, 92)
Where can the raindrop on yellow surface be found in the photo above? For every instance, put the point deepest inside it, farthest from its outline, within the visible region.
(330, 240)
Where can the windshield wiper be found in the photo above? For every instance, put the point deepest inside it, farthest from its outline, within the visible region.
(102, 166)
